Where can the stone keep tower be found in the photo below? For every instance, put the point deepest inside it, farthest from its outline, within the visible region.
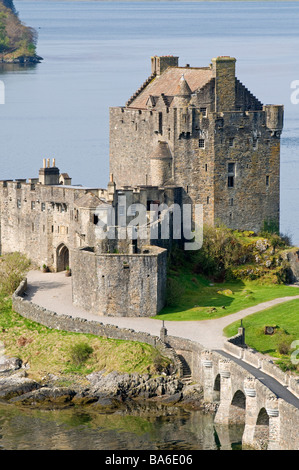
(201, 129)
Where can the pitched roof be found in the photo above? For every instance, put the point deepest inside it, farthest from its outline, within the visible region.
(89, 201)
(169, 83)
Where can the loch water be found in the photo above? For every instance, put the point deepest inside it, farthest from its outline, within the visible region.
(143, 427)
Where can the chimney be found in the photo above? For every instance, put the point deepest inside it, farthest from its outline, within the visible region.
(48, 175)
(225, 77)
(161, 63)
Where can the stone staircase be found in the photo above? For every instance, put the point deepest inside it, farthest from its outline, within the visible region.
(186, 371)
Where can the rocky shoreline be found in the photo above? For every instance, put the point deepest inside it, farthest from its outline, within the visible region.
(100, 390)
(22, 60)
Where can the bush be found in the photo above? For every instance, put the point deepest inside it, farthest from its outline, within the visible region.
(284, 348)
(270, 227)
(13, 268)
(80, 353)
(221, 251)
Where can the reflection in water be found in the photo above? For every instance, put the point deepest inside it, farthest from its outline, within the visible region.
(146, 427)
(8, 68)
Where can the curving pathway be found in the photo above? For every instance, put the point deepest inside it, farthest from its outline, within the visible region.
(54, 292)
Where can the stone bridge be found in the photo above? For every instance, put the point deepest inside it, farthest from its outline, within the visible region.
(269, 422)
(246, 388)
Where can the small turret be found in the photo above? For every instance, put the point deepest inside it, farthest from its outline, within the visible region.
(161, 164)
(274, 117)
(183, 94)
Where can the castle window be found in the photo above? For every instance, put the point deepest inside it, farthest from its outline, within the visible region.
(208, 199)
(201, 143)
(230, 182)
(231, 169)
(267, 180)
(95, 219)
(32, 227)
(203, 111)
(32, 205)
(255, 143)
(231, 202)
(19, 203)
(43, 207)
(231, 141)
(206, 167)
(160, 123)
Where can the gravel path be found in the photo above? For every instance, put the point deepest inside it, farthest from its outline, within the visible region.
(53, 291)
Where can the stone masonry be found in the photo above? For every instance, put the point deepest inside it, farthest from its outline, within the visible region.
(201, 129)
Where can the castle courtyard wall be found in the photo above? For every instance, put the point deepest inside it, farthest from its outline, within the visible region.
(120, 284)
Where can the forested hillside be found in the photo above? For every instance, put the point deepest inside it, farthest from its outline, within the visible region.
(17, 41)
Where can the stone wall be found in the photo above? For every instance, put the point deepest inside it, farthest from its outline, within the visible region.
(51, 319)
(258, 360)
(120, 284)
(37, 220)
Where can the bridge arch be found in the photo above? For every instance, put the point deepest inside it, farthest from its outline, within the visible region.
(261, 433)
(217, 387)
(237, 411)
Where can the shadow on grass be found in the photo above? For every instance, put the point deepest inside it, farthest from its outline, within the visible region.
(201, 296)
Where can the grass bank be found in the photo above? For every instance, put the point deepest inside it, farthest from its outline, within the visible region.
(202, 299)
(285, 320)
(46, 351)
(232, 271)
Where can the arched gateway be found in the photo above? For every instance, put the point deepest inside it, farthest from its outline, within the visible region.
(62, 257)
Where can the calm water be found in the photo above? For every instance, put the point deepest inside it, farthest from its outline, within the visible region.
(147, 428)
(98, 53)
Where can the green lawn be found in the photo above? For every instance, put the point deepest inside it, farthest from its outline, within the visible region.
(48, 350)
(202, 299)
(285, 317)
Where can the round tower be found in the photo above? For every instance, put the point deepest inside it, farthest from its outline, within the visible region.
(161, 164)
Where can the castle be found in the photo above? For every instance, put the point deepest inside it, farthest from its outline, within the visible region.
(188, 136)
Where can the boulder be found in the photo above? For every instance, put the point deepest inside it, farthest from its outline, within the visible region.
(16, 385)
(9, 363)
(46, 395)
